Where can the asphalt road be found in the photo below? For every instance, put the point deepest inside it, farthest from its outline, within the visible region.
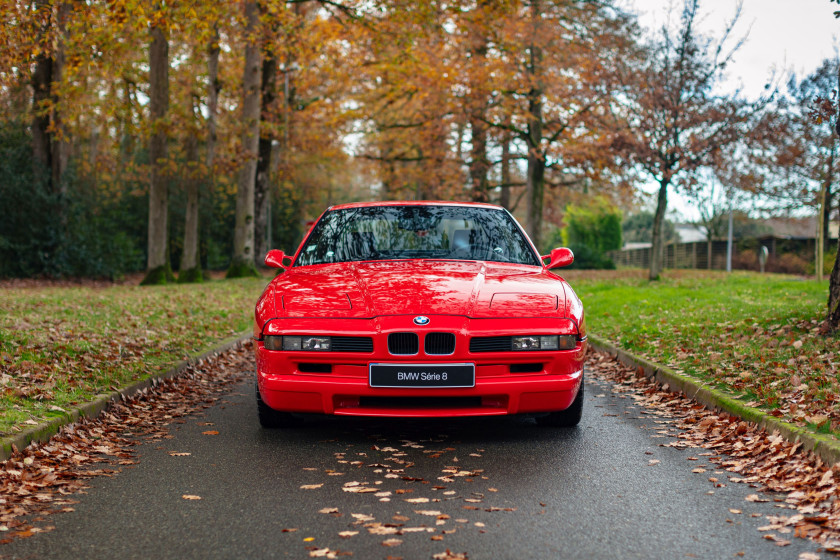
(510, 490)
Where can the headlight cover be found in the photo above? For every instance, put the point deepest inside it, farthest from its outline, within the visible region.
(298, 343)
(544, 342)
(273, 342)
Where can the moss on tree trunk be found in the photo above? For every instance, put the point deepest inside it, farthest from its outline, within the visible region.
(158, 276)
(242, 269)
(191, 276)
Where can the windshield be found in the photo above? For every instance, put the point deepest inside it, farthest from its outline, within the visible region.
(417, 232)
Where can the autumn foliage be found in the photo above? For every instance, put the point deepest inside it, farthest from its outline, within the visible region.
(203, 134)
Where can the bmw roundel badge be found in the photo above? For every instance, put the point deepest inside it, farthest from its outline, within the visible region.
(421, 320)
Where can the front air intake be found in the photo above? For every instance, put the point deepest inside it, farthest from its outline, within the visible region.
(440, 343)
(403, 343)
(352, 344)
(491, 344)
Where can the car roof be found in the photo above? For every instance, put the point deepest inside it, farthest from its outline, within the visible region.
(414, 203)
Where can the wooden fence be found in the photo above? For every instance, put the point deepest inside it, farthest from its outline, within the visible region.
(795, 256)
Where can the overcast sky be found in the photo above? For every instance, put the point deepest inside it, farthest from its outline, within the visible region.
(782, 35)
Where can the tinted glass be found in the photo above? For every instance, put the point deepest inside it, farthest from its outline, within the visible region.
(416, 232)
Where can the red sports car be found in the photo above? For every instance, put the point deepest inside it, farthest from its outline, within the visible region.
(419, 309)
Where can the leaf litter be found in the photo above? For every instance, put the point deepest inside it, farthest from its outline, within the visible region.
(41, 479)
(765, 461)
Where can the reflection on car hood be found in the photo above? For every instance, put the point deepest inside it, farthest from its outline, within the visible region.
(419, 287)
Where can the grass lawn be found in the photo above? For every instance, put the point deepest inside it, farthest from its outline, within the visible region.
(62, 345)
(755, 336)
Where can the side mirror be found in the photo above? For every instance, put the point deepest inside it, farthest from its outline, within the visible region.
(275, 259)
(559, 257)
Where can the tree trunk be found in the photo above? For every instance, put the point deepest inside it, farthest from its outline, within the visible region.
(158, 269)
(534, 195)
(832, 319)
(657, 250)
(821, 233)
(126, 126)
(213, 88)
(709, 252)
(478, 159)
(829, 204)
(42, 79)
(190, 271)
(536, 158)
(460, 127)
(262, 186)
(59, 141)
(504, 195)
(479, 165)
(829, 181)
(242, 263)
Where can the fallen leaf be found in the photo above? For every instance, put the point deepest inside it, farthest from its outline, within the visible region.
(449, 555)
(211, 433)
(191, 497)
(311, 486)
(392, 542)
(347, 534)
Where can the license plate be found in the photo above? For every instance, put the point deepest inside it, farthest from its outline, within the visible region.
(422, 375)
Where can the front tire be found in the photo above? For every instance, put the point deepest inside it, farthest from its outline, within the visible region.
(568, 418)
(270, 418)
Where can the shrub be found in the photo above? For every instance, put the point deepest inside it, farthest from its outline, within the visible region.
(591, 230)
(787, 263)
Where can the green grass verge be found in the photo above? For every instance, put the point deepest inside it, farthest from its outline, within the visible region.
(61, 346)
(754, 336)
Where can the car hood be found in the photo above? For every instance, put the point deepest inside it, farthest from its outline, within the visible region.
(419, 287)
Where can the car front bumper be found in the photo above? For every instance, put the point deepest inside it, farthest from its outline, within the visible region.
(331, 394)
(505, 382)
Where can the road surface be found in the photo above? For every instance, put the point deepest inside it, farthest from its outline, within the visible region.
(499, 488)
